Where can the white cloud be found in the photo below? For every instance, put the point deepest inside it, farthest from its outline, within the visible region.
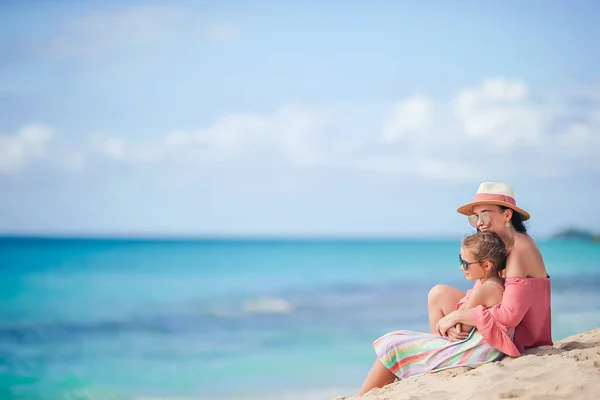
(221, 34)
(301, 134)
(578, 133)
(420, 166)
(27, 144)
(495, 129)
(110, 147)
(104, 33)
(289, 133)
(74, 162)
(577, 146)
(591, 92)
(500, 112)
(410, 117)
(133, 30)
(292, 134)
(438, 169)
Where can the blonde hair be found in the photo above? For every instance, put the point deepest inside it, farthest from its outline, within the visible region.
(487, 246)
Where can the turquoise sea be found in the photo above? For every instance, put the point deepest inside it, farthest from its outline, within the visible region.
(231, 319)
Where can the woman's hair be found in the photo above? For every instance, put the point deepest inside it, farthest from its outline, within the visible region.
(487, 246)
(516, 220)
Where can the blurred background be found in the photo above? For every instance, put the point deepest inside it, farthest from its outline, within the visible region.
(233, 199)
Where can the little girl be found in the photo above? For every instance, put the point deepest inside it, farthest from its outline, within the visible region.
(406, 353)
(483, 258)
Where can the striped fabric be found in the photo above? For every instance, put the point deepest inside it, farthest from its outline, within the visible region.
(408, 353)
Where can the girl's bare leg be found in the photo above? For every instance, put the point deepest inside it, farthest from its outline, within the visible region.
(379, 376)
(441, 301)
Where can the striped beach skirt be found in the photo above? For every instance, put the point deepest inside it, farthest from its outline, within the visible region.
(408, 353)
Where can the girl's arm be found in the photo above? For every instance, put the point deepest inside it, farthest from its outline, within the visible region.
(462, 302)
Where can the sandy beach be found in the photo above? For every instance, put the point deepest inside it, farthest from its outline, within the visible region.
(569, 369)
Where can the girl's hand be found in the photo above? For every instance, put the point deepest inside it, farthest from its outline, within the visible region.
(444, 324)
(456, 333)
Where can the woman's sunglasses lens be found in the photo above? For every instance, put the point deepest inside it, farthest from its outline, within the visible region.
(473, 220)
(485, 217)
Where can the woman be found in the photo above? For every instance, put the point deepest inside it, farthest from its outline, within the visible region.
(524, 312)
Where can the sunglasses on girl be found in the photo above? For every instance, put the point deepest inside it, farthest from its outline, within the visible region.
(484, 216)
(465, 264)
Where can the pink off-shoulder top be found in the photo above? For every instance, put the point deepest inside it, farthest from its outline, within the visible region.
(525, 309)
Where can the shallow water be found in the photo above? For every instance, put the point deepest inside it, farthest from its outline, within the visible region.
(225, 319)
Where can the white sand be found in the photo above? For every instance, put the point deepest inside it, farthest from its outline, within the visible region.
(570, 369)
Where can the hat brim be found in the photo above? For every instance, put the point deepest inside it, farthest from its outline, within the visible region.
(467, 209)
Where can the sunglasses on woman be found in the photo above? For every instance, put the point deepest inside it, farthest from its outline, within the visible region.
(465, 264)
(484, 216)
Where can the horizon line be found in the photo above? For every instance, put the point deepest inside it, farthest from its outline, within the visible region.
(233, 237)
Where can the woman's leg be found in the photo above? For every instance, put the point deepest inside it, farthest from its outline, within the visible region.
(379, 376)
(441, 301)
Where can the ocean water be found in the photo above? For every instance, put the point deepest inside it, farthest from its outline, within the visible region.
(231, 319)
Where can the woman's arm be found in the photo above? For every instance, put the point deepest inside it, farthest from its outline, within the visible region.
(517, 298)
(494, 323)
(515, 303)
(483, 296)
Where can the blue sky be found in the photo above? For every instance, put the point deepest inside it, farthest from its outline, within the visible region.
(295, 118)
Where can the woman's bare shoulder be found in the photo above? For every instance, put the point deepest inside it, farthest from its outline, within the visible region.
(525, 259)
(524, 241)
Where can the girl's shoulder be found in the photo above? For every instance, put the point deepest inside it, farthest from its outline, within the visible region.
(499, 285)
(488, 293)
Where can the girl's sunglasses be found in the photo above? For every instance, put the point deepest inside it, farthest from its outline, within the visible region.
(465, 264)
(484, 216)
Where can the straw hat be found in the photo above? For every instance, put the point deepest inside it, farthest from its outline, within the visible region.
(496, 193)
